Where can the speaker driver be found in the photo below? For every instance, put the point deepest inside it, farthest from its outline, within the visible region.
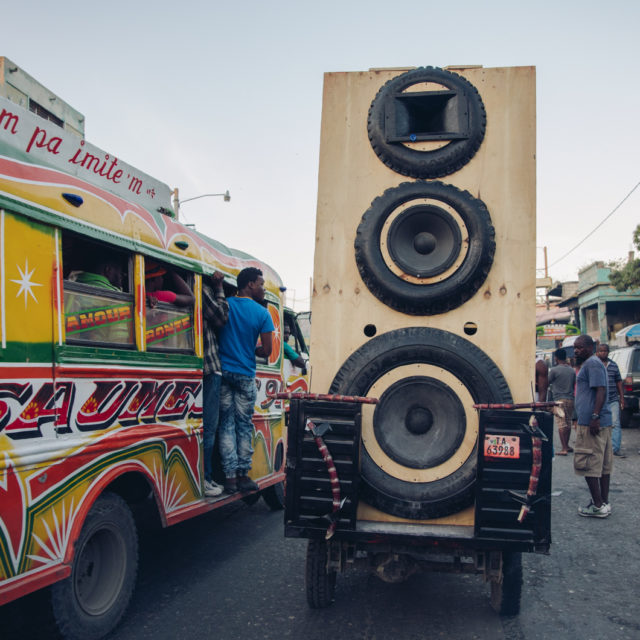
(424, 248)
(419, 422)
(424, 240)
(426, 123)
(418, 460)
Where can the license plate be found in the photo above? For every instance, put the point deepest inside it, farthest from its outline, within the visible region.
(501, 446)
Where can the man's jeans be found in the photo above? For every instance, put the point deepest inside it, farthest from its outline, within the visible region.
(616, 431)
(210, 418)
(237, 398)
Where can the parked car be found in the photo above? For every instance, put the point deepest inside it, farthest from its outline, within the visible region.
(628, 360)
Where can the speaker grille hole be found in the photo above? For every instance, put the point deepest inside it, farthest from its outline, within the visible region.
(470, 328)
(370, 330)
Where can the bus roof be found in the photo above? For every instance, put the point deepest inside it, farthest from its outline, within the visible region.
(57, 177)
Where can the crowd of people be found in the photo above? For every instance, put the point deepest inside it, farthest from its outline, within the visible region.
(589, 398)
(232, 327)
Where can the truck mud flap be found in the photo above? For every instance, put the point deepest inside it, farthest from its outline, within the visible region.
(316, 505)
(504, 512)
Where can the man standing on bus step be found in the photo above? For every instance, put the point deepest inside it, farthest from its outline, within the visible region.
(248, 319)
(215, 312)
(593, 455)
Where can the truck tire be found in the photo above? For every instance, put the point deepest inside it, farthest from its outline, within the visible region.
(435, 163)
(320, 583)
(505, 595)
(424, 248)
(420, 421)
(92, 600)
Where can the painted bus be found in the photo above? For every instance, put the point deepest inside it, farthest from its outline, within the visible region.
(100, 393)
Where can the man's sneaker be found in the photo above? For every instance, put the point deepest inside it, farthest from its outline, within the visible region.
(619, 454)
(591, 511)
(607, 506)
(230, 485)
(245, 483)
(211, 489)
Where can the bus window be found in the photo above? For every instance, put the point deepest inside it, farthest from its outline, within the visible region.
(295, 337)
(98, 303)
(169, 308)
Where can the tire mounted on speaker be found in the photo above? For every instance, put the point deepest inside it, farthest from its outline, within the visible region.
(420, 443)
(448, 117)
(424, 248)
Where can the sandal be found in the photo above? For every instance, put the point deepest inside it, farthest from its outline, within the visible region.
(561, 453)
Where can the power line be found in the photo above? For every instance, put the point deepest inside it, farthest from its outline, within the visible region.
(597, 227)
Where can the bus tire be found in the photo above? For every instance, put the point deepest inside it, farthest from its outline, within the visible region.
(274, 496)
(320, 583)
(251, 499)
(505, 595)
(92, 600)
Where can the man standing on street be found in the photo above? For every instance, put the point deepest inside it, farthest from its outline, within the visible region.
(542, 379)
(562, 381)
(215, 311)
(593, 456)
(248, 319)
(615, 397)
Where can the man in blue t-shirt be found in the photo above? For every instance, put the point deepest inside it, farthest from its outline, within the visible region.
(593, 454)
(248, 319)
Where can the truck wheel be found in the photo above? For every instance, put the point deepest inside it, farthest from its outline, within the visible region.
(625, 417)
(274, 496)
(93, 599)
(320, 583)
(505, 595)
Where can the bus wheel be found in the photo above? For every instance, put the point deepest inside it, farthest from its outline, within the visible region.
(505, 595)
(93, 599)
(320, 582)
(274, 496)
(251, 499)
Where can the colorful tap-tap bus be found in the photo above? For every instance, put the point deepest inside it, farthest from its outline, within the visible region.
(100, 392)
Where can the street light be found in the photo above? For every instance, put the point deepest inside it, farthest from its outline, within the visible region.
(177, 202)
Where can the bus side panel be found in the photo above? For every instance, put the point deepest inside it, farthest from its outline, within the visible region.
(268, 426)
(27, 392)
(110, 422)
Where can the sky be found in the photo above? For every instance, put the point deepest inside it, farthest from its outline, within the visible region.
(210, 96)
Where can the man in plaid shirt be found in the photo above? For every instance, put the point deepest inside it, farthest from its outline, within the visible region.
(215, 312)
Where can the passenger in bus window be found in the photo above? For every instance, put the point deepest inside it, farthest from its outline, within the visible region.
(101, 318)
(155, 277)
(215, 312)
(107, 274)
(290, 353)
(248, 319)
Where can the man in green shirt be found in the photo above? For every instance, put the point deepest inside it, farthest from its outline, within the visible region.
(290, 353)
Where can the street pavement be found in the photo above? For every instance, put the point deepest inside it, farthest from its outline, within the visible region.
(232, 575)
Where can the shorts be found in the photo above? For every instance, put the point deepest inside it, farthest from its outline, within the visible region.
(568, 409)
(592, 455)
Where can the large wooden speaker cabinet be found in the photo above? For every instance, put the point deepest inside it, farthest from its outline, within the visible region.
(424, 272)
